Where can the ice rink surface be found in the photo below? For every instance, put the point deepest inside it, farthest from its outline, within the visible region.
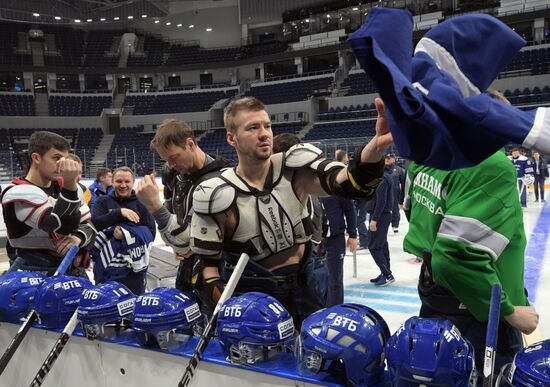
(398, 301)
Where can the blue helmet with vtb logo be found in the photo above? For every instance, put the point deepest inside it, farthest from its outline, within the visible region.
(57, 298)
(17, 291)
(431, 352)
(105, 306)
(254, 326)
(345, 340)
(162, 313)
(530, 368)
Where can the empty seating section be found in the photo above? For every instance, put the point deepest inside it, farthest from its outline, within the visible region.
(358, 83)
(77, 105)
(17, 105)
(291, 91)
(181, 54)
(87, 141)
(131, 147)
(349, 112)
(535, 60)
(154, 49)
(6, 154)
(98, 44)
(8, 45)
(69, 44)
(339, 130)
(529, 97)
(215, 143)
(269, 48)
(176, 102)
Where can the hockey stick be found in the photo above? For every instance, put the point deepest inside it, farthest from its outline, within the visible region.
(56, 350)
(206, 334)
(492, 336)
(8, 354)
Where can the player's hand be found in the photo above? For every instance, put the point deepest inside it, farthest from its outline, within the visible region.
(147, 193)
(524, 318)
(352, 244)
(383, 135)
(66, 243)
(373, 225)
(69, 170)
(118, 233)
(129, 214)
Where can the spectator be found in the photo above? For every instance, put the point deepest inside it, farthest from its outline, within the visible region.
(540, 170)
(524, 172)
(127, 231)
(102, 184)
(379, 209)
(398, 187)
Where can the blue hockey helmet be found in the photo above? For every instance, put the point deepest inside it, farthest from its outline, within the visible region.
(253, 326)
(103, 308)
(345, 340)
(166, 315)
(57, 298)
(531, 367)
(430, 352)
(17, 290)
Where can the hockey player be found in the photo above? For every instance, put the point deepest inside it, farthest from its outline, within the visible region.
(187, 166)
(43, 211)
(524, 172)
(259, 207)
(472, 221)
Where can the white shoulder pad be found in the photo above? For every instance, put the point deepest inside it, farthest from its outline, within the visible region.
(85, 213)
(213, 196)
(25, 193)
(301, 155)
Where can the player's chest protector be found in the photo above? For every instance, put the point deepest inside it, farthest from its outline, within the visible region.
(272, 220)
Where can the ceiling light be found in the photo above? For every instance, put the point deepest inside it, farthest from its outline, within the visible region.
(168, 23)
(77, 20)
(355, 9)
(130, 17)
(102, 19)
(208, 29)
(116, 18)
(88, 20)
(179, 25)
(328, 14)
(57, 17)
(307, 20)
(36, 14)
(143, 16)
(191, 26)
(157, 21)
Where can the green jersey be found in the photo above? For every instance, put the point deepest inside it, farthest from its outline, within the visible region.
(472, 220)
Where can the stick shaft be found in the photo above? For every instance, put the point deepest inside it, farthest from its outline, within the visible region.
(205, 337)
(22, 332)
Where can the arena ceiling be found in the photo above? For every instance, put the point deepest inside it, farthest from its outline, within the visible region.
(67, 11)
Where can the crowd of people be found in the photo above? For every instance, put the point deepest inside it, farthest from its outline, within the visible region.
(302, 211)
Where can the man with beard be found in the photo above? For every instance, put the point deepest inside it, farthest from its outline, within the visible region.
(259, 207)
(186, 166)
